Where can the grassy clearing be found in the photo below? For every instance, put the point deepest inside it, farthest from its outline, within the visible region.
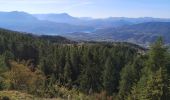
(15, 95)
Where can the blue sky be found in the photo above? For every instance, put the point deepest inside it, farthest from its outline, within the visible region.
(92, 8)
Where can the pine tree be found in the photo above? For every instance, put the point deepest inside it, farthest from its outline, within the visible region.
(158, 86)
(130, 75)
(90, 77)
(67, 71)
(109, 77)
(157, 56)
(154, 84)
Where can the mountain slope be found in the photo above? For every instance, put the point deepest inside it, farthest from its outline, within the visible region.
(52, 39)
(144, 33)
(59, 18)
(21, 21)
(16, 16)
(136, 30)
(97, 23)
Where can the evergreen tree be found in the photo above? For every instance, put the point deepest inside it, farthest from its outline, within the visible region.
(130, 75)
(158, 86)
(67, 71)
(154, 84)
(109, 77)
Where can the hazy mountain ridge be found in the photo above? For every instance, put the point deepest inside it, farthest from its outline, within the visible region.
(59, 18)
(143, 33)
(21, 21)
(16, 16)
(99, 22)
(136, 30)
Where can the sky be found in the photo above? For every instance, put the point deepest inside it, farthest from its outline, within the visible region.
(92, 8)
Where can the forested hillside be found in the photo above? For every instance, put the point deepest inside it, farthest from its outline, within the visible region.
(143, 34)
(47, 68)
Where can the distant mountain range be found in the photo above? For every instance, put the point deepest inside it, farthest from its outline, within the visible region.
(143, 33)
(85, 21)
(136, 30)
(97, 23)
(21, 21)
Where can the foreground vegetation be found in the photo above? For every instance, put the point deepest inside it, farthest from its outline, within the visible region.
(82, 71)
(15, 95)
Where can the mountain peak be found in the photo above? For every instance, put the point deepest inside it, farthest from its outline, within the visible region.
(16, 16)
(18, 12)
(66, 14)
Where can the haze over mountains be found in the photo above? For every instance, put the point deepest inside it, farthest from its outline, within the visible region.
(137, 30)
(97, 23)
(21, 21)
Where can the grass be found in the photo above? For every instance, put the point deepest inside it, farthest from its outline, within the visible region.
(15, 95)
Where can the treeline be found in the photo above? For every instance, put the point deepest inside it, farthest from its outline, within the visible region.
(121, 70)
